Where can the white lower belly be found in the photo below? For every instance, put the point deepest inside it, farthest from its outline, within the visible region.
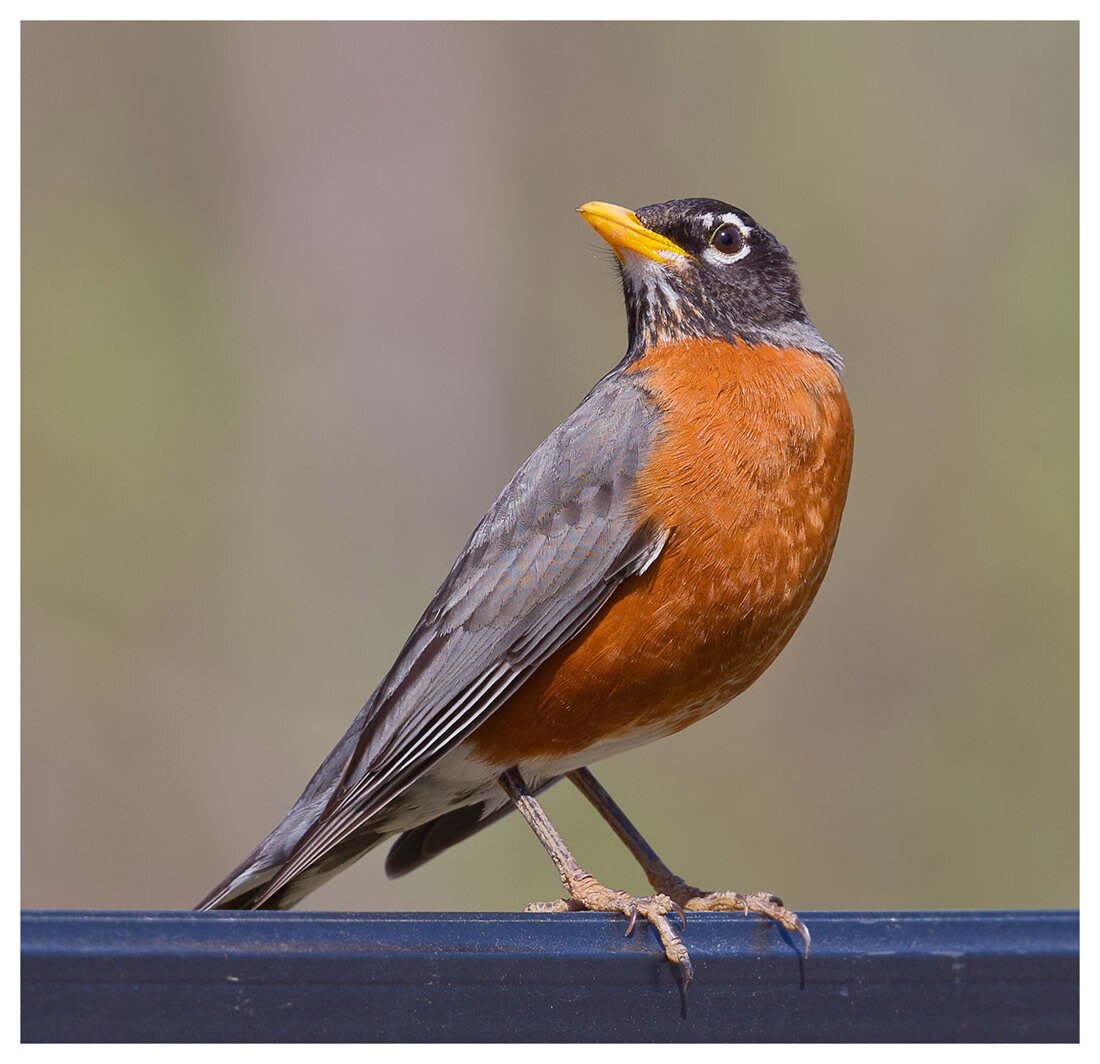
(461, 779)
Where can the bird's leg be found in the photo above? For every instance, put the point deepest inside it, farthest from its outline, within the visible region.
(585, 893)
(667, 883)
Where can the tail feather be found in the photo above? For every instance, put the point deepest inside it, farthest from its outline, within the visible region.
(245, 885)
(420, 844)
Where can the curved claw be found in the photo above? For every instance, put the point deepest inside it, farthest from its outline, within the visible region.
(587, 894)
(804, 931)
(633, 921)
(686, 971)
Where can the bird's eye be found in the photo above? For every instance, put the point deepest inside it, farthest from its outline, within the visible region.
(728, 239)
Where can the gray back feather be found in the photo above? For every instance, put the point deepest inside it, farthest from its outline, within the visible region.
(549, 553)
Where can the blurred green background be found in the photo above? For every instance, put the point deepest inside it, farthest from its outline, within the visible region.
(297, 299)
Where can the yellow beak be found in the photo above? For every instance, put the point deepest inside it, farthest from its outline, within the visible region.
(624, 232)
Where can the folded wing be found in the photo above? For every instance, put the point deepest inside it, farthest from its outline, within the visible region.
(547, 556)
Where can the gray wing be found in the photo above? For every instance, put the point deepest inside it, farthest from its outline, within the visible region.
(544, 560)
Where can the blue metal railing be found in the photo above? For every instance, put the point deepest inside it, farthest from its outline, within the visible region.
(417, 977)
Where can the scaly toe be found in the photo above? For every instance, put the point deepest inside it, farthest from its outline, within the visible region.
(559, 905)
(763, 903)
(655, 911)
(595, 897)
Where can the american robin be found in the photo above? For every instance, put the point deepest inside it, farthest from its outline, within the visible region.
(644, 566)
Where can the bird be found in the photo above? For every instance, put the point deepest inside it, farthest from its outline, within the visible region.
(642, 568)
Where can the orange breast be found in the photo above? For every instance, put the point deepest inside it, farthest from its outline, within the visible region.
(750, 474)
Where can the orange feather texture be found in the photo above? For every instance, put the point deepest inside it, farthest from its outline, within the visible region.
(749, 475)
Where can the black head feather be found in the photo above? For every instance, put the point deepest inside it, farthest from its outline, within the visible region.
(735, 281)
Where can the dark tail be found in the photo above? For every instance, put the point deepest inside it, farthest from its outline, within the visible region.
(247, 883)
(422, 843)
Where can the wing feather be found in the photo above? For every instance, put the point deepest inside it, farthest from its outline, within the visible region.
(547, 556)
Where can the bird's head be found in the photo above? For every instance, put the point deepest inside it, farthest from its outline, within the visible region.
(701, 268)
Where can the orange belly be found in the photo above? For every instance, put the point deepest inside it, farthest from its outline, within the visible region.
(750, 473)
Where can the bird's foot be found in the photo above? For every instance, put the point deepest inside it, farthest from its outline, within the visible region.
(588, 895)
(693, 899)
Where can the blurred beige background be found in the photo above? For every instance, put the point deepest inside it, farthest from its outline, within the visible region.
(297, 299)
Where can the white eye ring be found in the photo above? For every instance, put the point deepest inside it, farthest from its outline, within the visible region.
(719, 258)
